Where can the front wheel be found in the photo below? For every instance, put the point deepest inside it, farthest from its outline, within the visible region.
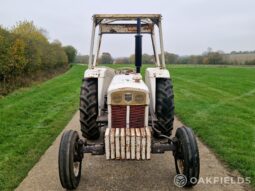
(70, 160)
(186, 156)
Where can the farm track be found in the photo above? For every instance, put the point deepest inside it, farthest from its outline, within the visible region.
(99, 174)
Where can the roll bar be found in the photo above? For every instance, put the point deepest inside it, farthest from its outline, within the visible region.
(127, 24)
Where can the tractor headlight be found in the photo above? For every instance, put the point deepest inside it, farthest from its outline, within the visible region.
(139, 98)
(128, 98)
(117, 98)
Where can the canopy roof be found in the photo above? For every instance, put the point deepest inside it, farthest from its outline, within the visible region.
(154, 18)
(127, 16)
(126, 24)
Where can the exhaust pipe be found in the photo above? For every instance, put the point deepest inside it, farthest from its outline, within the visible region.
(138, 47)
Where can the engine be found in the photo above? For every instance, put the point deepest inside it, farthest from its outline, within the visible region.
(128, 135)
(128, 102)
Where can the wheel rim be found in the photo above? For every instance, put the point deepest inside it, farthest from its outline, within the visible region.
(179, 158)
(180, 165)
(76, 168)
(76, 162)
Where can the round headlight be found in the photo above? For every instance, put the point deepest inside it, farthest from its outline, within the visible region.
(139, 98)
(116, 98)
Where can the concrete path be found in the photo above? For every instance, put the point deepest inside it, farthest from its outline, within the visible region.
(100, 174)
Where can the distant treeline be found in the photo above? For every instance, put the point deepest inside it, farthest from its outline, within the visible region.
(219, 58)
(208, 57)
(27, 55)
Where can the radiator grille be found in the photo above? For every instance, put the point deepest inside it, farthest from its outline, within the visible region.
(136, 116)
(119, 114)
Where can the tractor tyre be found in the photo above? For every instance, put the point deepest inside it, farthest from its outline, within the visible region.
(186, 156)
(164, 106)
(89, 109)
(70, 160)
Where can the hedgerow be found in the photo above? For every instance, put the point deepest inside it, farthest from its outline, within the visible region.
(25, 52)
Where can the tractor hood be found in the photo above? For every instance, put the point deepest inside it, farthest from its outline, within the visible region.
(128, 89)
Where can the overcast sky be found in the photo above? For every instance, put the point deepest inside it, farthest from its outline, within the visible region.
(189, 26)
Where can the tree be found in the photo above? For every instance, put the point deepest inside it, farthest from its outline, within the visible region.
(17, 59)
(123, 60)
(106, 58)
(171, 58)
(37, 45)
(28, 30)
(59, 55)
(183, 60)
(215, 58)
(71, 53)
(6, 39)
(25, 52)
(147, 59)
(132, 59)
(84, 59)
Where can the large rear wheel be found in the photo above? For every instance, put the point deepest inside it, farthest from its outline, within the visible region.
(164, 106)
(89, 108)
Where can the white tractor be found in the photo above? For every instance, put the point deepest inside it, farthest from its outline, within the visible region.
(123, 117)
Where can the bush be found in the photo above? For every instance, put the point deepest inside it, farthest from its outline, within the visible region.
(123, 60)
(25, 51)
(82, 59)
(106, 58)
(71, 53)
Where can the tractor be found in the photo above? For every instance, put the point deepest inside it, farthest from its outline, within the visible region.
(123, 116)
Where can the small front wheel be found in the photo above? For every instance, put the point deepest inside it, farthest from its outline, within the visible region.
(186, 156)
(70, 160)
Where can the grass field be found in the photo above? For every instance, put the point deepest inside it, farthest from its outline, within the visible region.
(217, 102)
(31, 118)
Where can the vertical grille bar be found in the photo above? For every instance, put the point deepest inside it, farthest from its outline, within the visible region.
(128, 116)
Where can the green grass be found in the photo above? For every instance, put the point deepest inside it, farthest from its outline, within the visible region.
(217, 102)
(30, 120)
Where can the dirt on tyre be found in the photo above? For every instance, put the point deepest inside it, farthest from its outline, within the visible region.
(164, 109)
(187, 156)
(89, 108)
(70, 160)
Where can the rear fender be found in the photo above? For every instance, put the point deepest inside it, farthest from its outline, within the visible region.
(151, 75)
(104, 76)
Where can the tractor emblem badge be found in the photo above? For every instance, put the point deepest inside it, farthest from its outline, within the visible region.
(128, 97)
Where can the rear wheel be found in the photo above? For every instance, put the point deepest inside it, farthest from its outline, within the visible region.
(164, 106)
(70, 160)
(187, 156)
(89, 108)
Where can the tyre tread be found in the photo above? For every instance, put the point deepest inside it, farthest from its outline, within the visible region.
(191, 153)
(164, 106)
(89, 108)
